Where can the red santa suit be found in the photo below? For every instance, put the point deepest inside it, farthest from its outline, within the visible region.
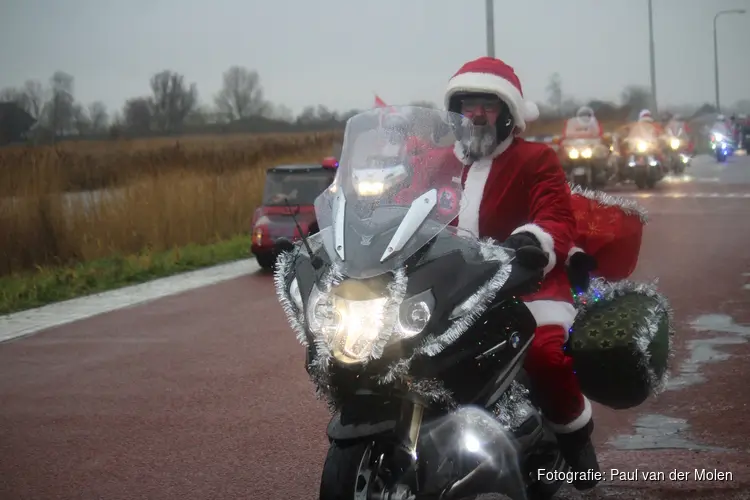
(521, 187)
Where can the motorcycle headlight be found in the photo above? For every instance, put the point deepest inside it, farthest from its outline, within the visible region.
(642, 146)
(352, 328)
(587, 153)
(573, 154)
(718, 137)
(674, 143)
(366, 188)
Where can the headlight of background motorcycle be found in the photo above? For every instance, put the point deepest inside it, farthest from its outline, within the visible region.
(351, 327)
(675, 143)
(573, 154)
(642, 146)
(587, 153)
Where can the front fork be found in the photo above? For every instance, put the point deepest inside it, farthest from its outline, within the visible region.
(407, 436)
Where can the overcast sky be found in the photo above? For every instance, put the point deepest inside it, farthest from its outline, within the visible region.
(338, 52)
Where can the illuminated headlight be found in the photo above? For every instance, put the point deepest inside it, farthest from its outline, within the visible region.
(685, 158)
(367, 188)
(652, 161)
(587, 153)
(674, 143)
(642, 146)
(352, 328)
(718, 137)
(573, 154)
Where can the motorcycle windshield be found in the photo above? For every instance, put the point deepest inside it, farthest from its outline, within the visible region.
(389, 199)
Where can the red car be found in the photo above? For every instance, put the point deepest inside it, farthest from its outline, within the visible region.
(289, 190)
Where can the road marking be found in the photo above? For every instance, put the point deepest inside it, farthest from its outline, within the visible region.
(686, 195)
(31, 321)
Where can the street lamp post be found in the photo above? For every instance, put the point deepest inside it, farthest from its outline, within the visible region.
(716, 53)
(652, 56)
(489, 13)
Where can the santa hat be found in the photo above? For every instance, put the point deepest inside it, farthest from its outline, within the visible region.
(645, 115)
(492, 76)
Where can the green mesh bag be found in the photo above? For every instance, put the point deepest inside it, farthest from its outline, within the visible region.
(621, 342)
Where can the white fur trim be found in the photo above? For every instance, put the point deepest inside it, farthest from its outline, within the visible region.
(523, 111)
(471, 199)
(553, 312)
(572, 251)
(545, 239)
(578, 423)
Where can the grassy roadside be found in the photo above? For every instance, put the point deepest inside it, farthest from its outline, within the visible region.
(54, 284)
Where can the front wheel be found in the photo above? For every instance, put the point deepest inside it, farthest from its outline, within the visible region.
(347, 474)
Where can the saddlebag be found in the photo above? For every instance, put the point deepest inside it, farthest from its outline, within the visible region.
(610, 229)
(621, 342)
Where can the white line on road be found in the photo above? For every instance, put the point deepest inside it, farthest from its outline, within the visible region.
(31, 321)
(687, 195)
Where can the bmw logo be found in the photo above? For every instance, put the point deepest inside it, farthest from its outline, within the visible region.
(515, 340)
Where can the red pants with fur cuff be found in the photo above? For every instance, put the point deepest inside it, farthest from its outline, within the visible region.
(554, 381)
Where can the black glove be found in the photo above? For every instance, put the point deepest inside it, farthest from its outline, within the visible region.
(580, 266)
(528, 250)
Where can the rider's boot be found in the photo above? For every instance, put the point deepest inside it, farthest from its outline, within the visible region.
(578, 451)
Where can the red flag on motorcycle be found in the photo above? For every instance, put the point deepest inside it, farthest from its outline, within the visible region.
(380, 103)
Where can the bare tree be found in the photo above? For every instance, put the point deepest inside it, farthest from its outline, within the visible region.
(138, 114)
(636, 97)
(278, 112)
(29, 97)
(173, 100)
(81, 120)
(98, 115)
(555, 93)
(241, 95)
(58, 111)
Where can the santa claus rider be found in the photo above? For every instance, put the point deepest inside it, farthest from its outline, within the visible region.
(515, 191)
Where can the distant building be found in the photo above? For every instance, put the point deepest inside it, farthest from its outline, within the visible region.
(15, 123)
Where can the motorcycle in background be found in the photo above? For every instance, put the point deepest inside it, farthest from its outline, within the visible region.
(585, 162)
(722, 146)
(676, 158)
(641, 162)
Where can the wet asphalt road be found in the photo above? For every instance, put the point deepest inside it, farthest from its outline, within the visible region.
(203, 395)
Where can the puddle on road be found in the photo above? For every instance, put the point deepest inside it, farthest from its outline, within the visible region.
(703, 350)
(654, 432)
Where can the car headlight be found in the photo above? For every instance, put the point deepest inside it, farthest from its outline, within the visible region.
(674, 143)
(642, 146)
(587, 153)
(573, 154)
(352, 328)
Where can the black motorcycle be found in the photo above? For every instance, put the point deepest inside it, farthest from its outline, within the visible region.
(415, 334)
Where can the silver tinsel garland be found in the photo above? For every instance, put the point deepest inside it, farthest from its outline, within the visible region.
(630, 207)
(602, 291)
(513, 407)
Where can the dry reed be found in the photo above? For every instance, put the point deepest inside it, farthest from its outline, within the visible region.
(125, 200)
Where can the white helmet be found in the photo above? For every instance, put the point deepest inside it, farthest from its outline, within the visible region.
(585, 114)
(645, 116)
(721, 118)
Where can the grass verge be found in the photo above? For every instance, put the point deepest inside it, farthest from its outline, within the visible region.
(53, 284)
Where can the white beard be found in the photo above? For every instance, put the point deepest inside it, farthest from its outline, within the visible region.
(482, 143)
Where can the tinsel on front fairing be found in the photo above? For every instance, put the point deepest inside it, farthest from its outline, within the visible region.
(630, 207)
(284, 268)
(475, 305)
(513, 407)
(614, 319)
